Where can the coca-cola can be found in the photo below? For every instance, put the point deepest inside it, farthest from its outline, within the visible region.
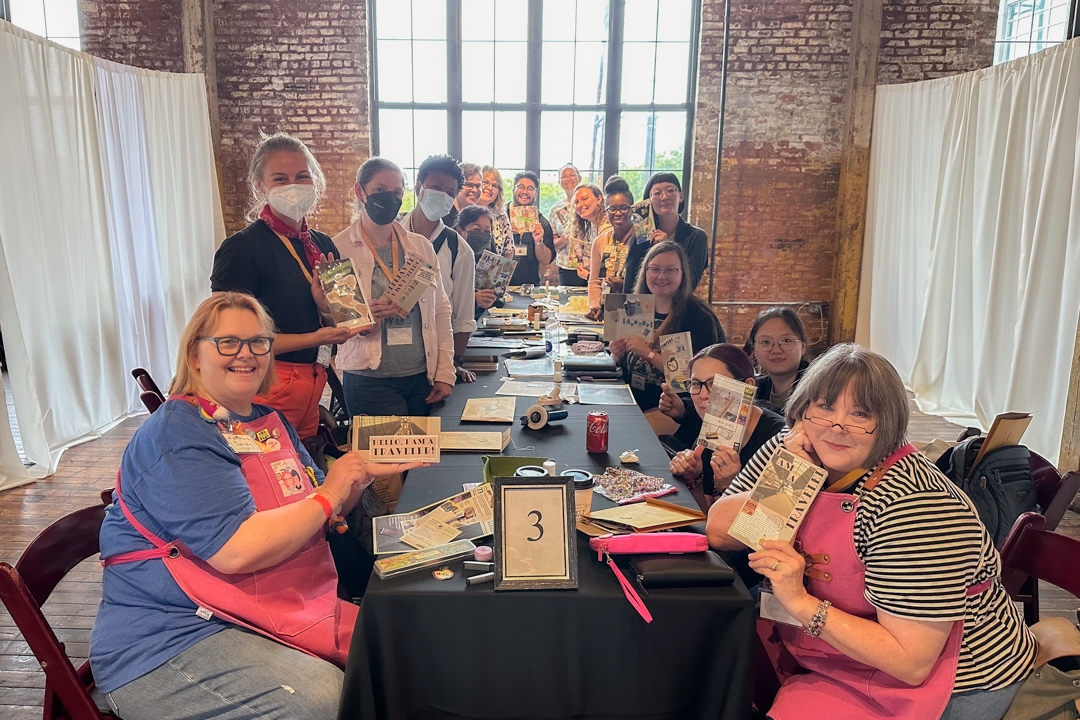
(596, 432)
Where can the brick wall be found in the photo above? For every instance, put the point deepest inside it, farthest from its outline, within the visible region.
(141, 33)
(787, 81)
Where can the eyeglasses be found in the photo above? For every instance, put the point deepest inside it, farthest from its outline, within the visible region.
(618, 209)
(470, 186)
(696, 385)
(785, 343)
(489, 185)
(664, 193)
(854, 429)
(522, 187)
(231, 346)
(666, 272)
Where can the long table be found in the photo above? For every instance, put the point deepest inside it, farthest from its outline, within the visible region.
(428, 648)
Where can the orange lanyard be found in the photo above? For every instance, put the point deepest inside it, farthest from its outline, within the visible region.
(292, 251)
(847, 481)
(393, 250)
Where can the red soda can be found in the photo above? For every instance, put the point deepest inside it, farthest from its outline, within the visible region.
(596, 432)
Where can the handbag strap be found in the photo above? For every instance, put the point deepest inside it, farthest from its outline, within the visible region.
(631, 594)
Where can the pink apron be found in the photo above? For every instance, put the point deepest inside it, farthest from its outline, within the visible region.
(836, 686)
(295, 601)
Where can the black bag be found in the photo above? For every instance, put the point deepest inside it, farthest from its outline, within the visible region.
(447, 233)
(703, 569)
(1000, 487)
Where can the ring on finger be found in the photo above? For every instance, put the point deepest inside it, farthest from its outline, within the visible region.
(775, 565)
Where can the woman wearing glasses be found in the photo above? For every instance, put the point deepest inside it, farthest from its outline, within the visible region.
(220, 595)
(778, 345)
(470, 189)
(707, 473)
(891, 597)
(666, 278)
(608, 263)
(661, 207)
(273, 259)
(491, 197)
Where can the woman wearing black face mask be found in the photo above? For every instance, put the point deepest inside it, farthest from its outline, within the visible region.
(475, 224)
(407, 363)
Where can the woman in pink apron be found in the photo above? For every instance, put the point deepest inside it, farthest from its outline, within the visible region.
(888, 603)
(219, 597)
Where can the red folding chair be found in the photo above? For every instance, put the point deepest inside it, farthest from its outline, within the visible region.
(1030, 551)
(25, 588)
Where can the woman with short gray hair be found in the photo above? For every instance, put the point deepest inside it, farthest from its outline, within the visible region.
(891, 593)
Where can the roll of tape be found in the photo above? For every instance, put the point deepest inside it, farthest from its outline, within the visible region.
(537, 416)
(482, 553)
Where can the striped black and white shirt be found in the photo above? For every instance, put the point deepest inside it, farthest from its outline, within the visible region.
(923, 545)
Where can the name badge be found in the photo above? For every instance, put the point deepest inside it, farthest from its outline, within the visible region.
(637, 381)
(241, 443)
(771, 609)
(399, 335)
(521, 250)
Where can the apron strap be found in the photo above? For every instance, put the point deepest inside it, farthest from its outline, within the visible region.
(162, 550)
(880, 470)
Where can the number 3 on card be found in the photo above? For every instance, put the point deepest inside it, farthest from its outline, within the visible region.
(535, 538)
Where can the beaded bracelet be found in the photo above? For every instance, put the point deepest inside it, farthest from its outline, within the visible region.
(818, 621)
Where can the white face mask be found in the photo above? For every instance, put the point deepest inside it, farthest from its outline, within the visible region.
(435, 203)
(291, 201)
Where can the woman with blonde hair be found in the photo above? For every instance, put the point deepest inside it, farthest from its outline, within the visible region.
(274, 259)
(491, 197)
(586, 221)
(219, 597)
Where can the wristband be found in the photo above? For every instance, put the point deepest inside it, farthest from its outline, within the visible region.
(326, 506)
(651, 355)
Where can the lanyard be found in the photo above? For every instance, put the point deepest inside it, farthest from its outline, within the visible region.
(393, 250)
(292, 251)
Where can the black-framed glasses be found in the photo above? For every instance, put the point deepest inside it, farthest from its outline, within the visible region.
(231, 346)
(785, 343)
(696, 385)
(854, 429)
(618, 209)
(470, 186)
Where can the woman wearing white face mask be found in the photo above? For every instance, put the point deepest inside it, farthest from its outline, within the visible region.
(273, 259)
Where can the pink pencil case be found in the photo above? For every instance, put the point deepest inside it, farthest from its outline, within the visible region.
(635, 543)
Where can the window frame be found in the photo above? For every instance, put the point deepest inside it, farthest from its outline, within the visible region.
(1072, 30)
(612, 108)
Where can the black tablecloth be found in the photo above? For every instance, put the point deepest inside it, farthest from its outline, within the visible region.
(425, 648)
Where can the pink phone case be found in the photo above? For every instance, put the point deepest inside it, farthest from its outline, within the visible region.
(633, 543)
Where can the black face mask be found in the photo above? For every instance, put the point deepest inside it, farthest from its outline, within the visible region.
(382, 207)
(479, 241)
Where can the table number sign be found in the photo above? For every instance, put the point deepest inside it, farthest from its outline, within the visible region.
(404, 448)
(535, 540)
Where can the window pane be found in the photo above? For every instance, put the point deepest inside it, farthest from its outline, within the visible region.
(573, 137)
(640, 20)
(429, 136)
(590, 73)
(672, 69)
(652, 141)
(29, 15)
(637, 73)
(429, 71)
(556, 139)
(509, 140)
(477, 131)
(478, 72)
(393, 20)
(429, 19)
(1055, 34)
(62, 18)
(395, 136)
(510, 76)
(675, 22)
(511, 20)
(395, 70)
(557, 74)
(478, 20)
(636, 180)
(559, 19)
(74, 43)
(550, 190)
(592, 20)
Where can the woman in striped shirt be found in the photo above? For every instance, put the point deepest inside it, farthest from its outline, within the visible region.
(890, 594)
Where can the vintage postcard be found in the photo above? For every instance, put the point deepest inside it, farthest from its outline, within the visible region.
(730, 403)
(677, 353)
(628, 316)
(779, 500)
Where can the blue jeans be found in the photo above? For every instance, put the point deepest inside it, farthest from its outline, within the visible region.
(981, 704)
(233, 675)
(366, 395)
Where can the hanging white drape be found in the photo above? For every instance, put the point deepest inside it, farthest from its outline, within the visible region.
(109, 216)
(973, 242)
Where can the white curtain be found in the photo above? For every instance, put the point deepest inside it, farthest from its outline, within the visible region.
(109, 215)
(973, 240)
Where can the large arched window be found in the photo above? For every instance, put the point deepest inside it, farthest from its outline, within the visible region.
(532, 84)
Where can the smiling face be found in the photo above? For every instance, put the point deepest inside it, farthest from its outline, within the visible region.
(285, 167)
(665, 198)
(663, 274)
(232, 381)
(618, 211)
(524, 192)
(470, 190)
(489, 188)
(777, 348)
(569, 179)
(839, 449)
(586, 205)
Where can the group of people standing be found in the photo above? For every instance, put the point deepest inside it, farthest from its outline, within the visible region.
(219, 594)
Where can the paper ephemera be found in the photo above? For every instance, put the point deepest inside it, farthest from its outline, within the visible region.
(493, 272)
(429, 532)
(409, 284)
(779, 500)
(522, 218)
(499, 409)
(469, 513)
(403, 448)
(628, 316)
(523, 388)
(342, 291)
(730, 403)
(677, 353)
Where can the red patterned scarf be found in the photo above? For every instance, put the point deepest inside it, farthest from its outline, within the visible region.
(311, 251)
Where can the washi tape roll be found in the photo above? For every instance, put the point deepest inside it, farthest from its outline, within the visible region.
(483, 553)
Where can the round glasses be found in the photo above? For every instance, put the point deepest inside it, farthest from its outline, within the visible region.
(854, 429)
(231, 346)
(784, 343)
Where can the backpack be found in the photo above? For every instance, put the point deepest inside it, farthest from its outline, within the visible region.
(441, 240)
(1000, 486)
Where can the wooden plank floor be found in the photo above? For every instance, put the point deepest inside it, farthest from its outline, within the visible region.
(89, 468)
